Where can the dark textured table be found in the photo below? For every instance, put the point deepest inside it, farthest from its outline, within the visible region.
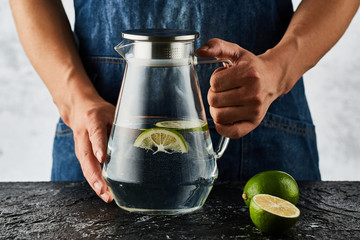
(70, 210)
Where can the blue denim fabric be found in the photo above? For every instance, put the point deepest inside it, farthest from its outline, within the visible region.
(65, 165)
(285, 140)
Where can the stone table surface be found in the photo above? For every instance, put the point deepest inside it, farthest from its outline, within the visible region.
(70, 210)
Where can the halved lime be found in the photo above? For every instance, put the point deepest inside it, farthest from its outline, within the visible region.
(271, 214)
(161, 140)
(276, 183)
(184, 125)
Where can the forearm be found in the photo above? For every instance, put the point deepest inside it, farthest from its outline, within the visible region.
(46, 36)
(315, 27)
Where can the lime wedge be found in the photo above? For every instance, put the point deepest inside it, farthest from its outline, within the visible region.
(271, 214)
(161, 140)
(184, 126)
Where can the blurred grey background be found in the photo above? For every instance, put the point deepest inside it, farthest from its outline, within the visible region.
(28, 115)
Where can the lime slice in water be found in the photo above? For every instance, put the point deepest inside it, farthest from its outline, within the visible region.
(161, 140)
(184, 126)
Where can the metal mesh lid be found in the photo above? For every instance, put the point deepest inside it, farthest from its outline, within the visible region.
(160, 35)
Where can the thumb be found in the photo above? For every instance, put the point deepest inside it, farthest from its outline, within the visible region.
(221, 49)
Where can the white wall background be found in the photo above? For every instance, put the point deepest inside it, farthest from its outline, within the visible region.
(28, 115)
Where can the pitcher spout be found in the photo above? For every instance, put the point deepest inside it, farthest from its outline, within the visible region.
(125, 49)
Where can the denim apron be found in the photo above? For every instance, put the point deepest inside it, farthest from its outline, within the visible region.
(285, 140)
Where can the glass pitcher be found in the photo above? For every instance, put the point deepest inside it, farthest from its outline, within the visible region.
(160, 158)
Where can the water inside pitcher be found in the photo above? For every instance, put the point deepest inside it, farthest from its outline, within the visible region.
(160, 157)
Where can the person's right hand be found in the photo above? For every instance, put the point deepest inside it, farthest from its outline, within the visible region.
(91, 123)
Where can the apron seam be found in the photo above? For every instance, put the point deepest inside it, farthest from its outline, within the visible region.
(105, 59)
(288, 128)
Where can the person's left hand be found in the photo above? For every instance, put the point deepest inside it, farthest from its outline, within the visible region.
(239, 96)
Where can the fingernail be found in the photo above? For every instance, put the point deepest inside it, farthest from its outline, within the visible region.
(105, 197)
(97, 186)
(99, 156)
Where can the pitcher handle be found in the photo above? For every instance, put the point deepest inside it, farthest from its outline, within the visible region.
(227, 62)
(224, 141)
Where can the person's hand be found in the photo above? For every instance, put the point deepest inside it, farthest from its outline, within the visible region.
(91, 123)
(239, 96)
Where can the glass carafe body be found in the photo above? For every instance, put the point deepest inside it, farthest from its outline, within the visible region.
(160, 99)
